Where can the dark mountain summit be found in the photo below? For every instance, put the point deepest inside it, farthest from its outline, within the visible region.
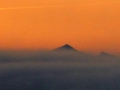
(67, 52)
(65, 47)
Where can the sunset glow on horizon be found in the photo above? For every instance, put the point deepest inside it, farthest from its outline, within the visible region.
(88, 25)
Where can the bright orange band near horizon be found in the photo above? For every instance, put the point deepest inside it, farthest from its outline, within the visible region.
(90, 27)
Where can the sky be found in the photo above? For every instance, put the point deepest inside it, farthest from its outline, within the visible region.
(88, 25)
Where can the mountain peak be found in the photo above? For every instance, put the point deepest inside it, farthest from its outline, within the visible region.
(104, 54)
(66, 47)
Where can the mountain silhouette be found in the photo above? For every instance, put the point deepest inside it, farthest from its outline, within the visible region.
(68, 50)
(65, 47)
(106, 54)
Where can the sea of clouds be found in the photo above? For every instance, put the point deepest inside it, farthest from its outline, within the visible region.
(44, 70)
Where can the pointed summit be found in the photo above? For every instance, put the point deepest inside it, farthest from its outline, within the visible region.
(66, 47)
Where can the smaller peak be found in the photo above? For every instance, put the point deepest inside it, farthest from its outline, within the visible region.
(106, 54)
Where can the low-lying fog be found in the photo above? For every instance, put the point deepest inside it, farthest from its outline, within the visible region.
(58, 71)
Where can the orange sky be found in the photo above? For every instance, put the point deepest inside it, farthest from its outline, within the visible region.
(88, 25)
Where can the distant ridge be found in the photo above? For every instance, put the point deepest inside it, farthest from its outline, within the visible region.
(104, 54)
(65, 47)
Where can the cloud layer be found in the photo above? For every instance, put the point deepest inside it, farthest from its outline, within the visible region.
(58, 71)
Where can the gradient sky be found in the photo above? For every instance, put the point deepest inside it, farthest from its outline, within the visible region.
(88, 25)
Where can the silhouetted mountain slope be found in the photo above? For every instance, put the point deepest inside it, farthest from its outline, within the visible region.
(104, 54)
(67, 53)
(107, 56)
(65, 47)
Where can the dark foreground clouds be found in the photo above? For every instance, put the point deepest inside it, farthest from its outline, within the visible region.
(58, 71)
